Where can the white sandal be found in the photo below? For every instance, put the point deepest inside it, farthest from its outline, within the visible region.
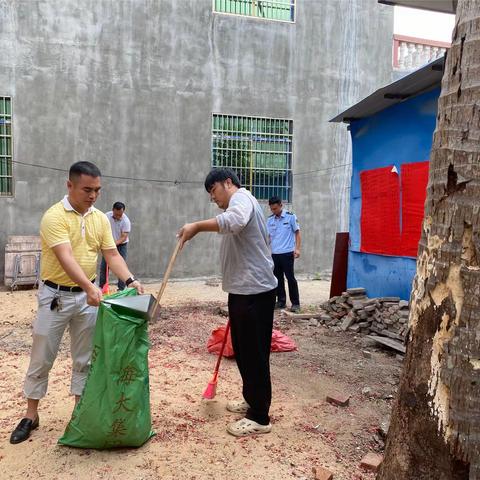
(245, 427)
(238, 406)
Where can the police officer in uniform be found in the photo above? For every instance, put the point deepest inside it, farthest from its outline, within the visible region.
(285, 239)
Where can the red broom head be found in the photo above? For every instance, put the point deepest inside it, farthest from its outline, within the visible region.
(210, 391)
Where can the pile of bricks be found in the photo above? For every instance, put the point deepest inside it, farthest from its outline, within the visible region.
(354, 311)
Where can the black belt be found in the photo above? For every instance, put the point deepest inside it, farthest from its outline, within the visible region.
(63, 288)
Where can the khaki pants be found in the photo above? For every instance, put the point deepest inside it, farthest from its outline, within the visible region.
(48, 330)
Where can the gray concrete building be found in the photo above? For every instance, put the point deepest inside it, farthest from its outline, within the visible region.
(139, 86)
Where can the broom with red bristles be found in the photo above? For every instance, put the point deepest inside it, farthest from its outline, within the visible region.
(211, 389)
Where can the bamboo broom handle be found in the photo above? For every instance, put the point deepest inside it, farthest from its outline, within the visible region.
(165, 278)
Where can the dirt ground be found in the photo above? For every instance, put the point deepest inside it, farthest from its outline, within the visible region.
(191, 442)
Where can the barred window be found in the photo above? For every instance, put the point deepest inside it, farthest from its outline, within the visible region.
(6, 175)
(258, 149)
(283, 10)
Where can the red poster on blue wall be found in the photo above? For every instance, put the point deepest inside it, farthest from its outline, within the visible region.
(414, 191)
(380, 217)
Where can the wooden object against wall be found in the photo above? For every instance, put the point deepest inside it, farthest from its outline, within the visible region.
(28, 246)
(340, 265)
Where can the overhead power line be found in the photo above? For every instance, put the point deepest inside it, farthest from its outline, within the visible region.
(153, 180)
(322, 169)
(167, 181)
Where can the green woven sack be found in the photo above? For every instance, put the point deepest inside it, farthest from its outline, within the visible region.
(114, 409)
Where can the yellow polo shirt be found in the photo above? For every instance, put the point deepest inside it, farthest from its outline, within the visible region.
(87, 234)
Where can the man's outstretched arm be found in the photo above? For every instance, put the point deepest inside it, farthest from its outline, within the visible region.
(189, 230)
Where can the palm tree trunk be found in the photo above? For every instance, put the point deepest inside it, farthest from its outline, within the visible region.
(435, 426)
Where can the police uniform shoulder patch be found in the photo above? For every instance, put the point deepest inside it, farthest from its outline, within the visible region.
(289, 213)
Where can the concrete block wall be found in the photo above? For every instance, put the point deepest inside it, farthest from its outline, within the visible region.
(132, 86)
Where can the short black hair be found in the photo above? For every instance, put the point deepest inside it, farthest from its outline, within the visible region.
(221, 175)
(83, 168)
(275, 199)
(118, 206)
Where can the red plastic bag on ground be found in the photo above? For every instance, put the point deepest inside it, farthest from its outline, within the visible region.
(215, 342)
(280, 343)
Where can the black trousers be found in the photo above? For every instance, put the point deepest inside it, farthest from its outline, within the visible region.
(251, 324)
(283, 265)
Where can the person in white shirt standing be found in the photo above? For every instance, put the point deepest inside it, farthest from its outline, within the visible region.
(247, 276)
(121, 228)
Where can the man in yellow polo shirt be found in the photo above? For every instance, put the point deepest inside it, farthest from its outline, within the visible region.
(73, 232)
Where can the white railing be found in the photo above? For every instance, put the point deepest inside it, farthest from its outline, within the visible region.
(411, 52)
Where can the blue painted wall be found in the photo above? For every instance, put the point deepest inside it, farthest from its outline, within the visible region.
(399, 134)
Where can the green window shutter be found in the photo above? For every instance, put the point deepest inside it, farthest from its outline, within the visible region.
(283, 10)
(6, 155)
(258, 149)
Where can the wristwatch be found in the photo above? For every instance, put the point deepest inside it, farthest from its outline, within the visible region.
(130, 280)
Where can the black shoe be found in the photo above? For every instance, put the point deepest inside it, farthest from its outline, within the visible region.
(279, 305)
(23, 430)
(295, 309)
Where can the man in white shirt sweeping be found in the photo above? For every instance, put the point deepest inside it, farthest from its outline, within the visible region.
(247, 271)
